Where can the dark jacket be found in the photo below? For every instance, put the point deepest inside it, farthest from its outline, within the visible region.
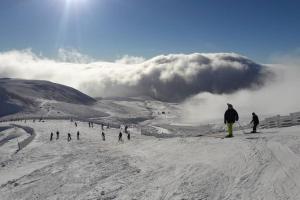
(231, 116)
(255, 119)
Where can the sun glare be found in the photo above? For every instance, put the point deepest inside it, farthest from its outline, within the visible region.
(75, 1)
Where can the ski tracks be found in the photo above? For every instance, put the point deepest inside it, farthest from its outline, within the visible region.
(271, 171)
(151, 168)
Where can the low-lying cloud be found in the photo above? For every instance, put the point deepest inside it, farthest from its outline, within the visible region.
(173, 77)
(279, 96)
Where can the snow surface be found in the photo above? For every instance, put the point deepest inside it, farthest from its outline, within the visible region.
(253, 166)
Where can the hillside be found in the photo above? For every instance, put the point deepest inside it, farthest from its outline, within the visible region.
(27, 96)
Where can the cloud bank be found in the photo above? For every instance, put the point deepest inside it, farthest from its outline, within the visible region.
(173, 77)
(279, 96)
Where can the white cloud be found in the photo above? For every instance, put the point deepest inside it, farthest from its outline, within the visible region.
(126, 59)
(73, 56)
(171, 77)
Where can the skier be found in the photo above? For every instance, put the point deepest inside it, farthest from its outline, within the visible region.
(69, 137)
(89, 124)
(78, 135)
(51, 136)
(255, 122)
(230, 117)
(120, 137)
(126, 127)
(75, 124)
(57, 135)
(128, 135)
(103, 136)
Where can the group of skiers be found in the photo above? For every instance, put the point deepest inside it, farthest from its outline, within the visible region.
(91, 125)
(57, 135)
(231, 116)
(69, 136)
(121, 134)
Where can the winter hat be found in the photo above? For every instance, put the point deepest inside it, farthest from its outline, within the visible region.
(229, 105)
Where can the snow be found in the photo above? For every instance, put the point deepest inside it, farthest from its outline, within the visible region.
(10, 138)
(254, 166)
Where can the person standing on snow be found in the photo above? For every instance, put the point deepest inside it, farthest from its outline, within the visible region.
(51, 136)
(255, 122)
(230, 117)
(57, 135)
(128, 135)
(103, 136)
(78, 135)
(69, 137)
(120, 137)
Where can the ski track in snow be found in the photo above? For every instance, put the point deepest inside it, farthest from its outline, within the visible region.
(256, 166)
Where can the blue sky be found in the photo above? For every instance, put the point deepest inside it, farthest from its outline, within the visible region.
(108, 29)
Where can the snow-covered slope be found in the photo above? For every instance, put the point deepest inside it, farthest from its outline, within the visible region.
(29, 95)
(182, 162)
(255, 166)
(21, 99)
(37, 89)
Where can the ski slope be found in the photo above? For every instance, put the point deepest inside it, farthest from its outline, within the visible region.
(252, 166)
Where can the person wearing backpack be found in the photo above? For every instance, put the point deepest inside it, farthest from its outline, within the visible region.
(230, 117)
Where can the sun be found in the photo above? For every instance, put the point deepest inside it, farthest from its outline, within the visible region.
(68, 2)
(75, 4)
(75, 1)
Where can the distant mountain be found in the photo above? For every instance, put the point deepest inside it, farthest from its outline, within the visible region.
(18, 95)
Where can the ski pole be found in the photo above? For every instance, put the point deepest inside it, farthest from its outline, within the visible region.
(241, 127)
(225, 128)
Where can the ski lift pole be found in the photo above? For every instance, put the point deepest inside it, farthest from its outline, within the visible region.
(18, 145)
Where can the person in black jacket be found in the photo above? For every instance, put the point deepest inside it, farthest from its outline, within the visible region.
(255, 122)
(51, 136)
(230, 117)
(103, 136)
(128, 135)
(120, 137)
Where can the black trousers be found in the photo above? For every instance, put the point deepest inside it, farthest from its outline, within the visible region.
(254, 127)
